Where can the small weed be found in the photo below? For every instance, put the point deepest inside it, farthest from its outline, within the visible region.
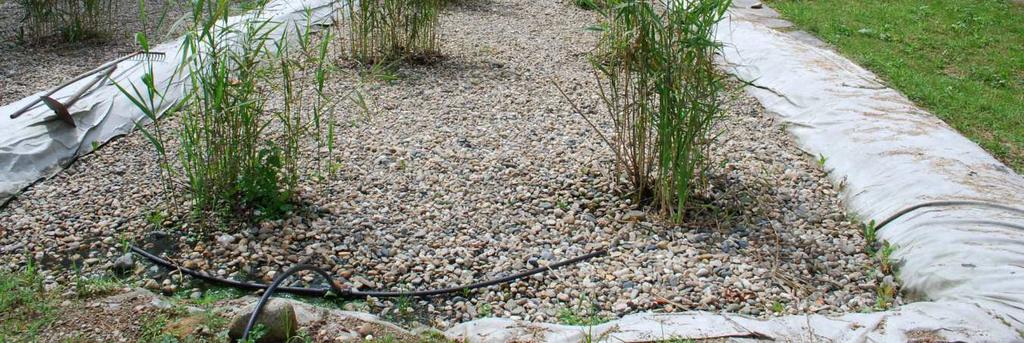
(124, 243)
(884, 295)
(885, 258)
(152, 328)
(334, 167)
(583, 315)
(886, 290)
(870, 237)
(156, 219)
(358, 97)
(214, 295)
(564, 206)
(387, 338)
(385, 72)
(97, 286)
(403, 305)
(301, 336)
(821, 161)
(434, 337)
(257, 332)
(778, 307)
(486, 310)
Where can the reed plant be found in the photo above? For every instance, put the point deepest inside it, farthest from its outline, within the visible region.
(385, 30)
(590, 5)
(660, 87)
(73, 20)
(239, 153)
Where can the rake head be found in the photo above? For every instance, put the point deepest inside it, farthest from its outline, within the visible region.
(147, 56)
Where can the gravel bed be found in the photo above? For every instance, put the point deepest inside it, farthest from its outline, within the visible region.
(474, 167)
(32, 67)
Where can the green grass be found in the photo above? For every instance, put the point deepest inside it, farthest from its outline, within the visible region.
(583, 315)
(961, 60)
(25, 306)
(570, 317)
(97, 286)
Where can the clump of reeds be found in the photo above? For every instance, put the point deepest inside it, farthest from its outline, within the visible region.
(660, 87)
(590, 5)
(383, 30)
(73, 20)
(237, 152)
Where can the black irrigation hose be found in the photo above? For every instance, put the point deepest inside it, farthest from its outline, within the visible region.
(273, 287)
(897, 215)
(344, 293)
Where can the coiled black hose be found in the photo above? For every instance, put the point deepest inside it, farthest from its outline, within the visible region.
(337, 289)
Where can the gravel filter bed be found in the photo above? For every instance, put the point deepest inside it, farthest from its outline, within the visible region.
(474, 167)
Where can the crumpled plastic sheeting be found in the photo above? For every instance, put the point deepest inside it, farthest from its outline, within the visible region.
(33, 147)
(966, 263)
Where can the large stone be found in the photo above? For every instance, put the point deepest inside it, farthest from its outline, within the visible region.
(278, 320)
(634, 216)
(124, 264)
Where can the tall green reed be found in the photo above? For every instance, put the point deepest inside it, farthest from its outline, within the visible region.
(73, 20)
(238, 152)
(658, 82)
(392, 29)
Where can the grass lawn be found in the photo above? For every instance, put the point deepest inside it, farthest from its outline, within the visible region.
(961, 60)
(25, 308)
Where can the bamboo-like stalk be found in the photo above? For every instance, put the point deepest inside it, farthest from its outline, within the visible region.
(383, 30)
(660, 88)
(237, 154)
(73, 20)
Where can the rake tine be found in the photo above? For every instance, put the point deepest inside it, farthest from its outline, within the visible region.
(59, 109)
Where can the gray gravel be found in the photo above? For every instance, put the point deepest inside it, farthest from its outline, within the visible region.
(475, 167)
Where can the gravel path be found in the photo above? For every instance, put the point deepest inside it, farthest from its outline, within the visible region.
(474, 167)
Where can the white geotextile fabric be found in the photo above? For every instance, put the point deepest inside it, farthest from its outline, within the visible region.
(32, 148)
(966, 263)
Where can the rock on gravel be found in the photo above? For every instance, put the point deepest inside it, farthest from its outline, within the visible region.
(124, 264)
(277, 318)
